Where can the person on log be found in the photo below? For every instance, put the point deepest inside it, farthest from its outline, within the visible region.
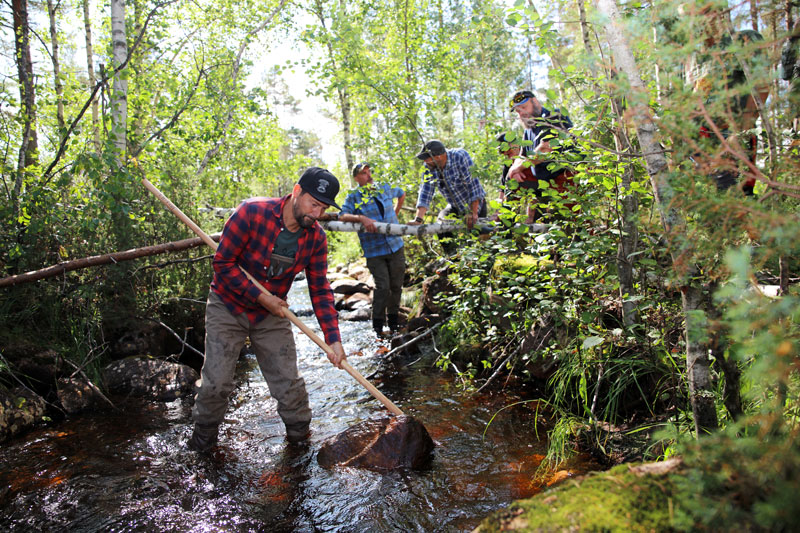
(509, 147)
(449, 170)
(716, 76)
(386, 261)
(542, 148)
(790, 71)
(274, 239)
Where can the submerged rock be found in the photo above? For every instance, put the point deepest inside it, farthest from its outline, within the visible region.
(76, 394)
(20, 410)
(144, 376)
(381, 443)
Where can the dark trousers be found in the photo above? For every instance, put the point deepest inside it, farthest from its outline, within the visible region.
(389, 271)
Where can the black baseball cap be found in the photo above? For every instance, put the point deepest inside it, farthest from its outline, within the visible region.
(320, 184)
(430, 149)
(358, 167)
(520, 97)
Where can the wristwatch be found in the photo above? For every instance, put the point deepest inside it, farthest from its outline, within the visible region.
(418, 219)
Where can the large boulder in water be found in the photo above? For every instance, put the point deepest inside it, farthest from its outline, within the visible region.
(150, 378)
(380, 443)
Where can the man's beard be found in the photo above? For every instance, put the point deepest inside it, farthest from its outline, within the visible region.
(527, 122)
(304, 221)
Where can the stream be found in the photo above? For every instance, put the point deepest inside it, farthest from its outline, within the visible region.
(129, 469)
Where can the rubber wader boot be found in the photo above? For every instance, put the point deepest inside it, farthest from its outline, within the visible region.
(297, 433)
(204, 437)
(377, 325)
(393, 323)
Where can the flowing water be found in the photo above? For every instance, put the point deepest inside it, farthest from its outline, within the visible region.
(129, 470)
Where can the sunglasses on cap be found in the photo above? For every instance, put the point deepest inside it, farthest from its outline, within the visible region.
(359, 167)
(520, 98)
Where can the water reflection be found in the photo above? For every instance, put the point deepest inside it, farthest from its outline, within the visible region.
(128, 470)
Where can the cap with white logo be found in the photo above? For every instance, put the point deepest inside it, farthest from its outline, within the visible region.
(320, 184)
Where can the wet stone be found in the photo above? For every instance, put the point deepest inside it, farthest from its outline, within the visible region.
(76, 394)
(147, 377)
(381, 443)
(349, 286)
(20, 410)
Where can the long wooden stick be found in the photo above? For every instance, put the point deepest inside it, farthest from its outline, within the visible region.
(291, 316)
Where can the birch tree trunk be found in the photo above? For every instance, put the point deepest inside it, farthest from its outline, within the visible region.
(87, 26)
(584, 26)
(444, 226)
(28, 151)
(59, 87)
(697, 362)
(119, 99)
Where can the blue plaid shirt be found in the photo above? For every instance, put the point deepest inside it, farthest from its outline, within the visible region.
(454, 180)
(364, 201)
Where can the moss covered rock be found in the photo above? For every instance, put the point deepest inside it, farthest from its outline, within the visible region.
(644, 497)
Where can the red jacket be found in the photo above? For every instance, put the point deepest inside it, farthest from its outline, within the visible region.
(247, 241)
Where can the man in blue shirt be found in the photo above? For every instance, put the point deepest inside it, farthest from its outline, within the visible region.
(386, 260)
(449, 170)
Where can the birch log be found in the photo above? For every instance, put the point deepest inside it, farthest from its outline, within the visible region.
(176, 246)
(444, 226)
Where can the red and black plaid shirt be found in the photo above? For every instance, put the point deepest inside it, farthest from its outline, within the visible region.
(247, 241)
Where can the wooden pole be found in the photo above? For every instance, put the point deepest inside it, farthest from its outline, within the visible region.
(291, 316)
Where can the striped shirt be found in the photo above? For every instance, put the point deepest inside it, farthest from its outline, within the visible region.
(247, 240)
(364, 201)
(454, 180)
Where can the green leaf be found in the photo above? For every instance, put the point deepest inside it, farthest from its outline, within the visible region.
(591, 342)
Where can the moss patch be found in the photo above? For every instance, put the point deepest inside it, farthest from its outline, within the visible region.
(626, 498)
(521, 263)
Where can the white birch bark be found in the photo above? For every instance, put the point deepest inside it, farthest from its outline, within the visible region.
(119, 99)
(697, 362)
(394, 229)
(421, 229)
(87, 25)
(59, 87)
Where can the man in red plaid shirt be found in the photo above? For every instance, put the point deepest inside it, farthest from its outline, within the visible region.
(273, 239)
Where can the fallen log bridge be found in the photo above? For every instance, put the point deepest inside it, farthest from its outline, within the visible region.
(483, 225)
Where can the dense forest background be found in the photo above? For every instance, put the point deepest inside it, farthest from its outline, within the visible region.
(652, 297)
